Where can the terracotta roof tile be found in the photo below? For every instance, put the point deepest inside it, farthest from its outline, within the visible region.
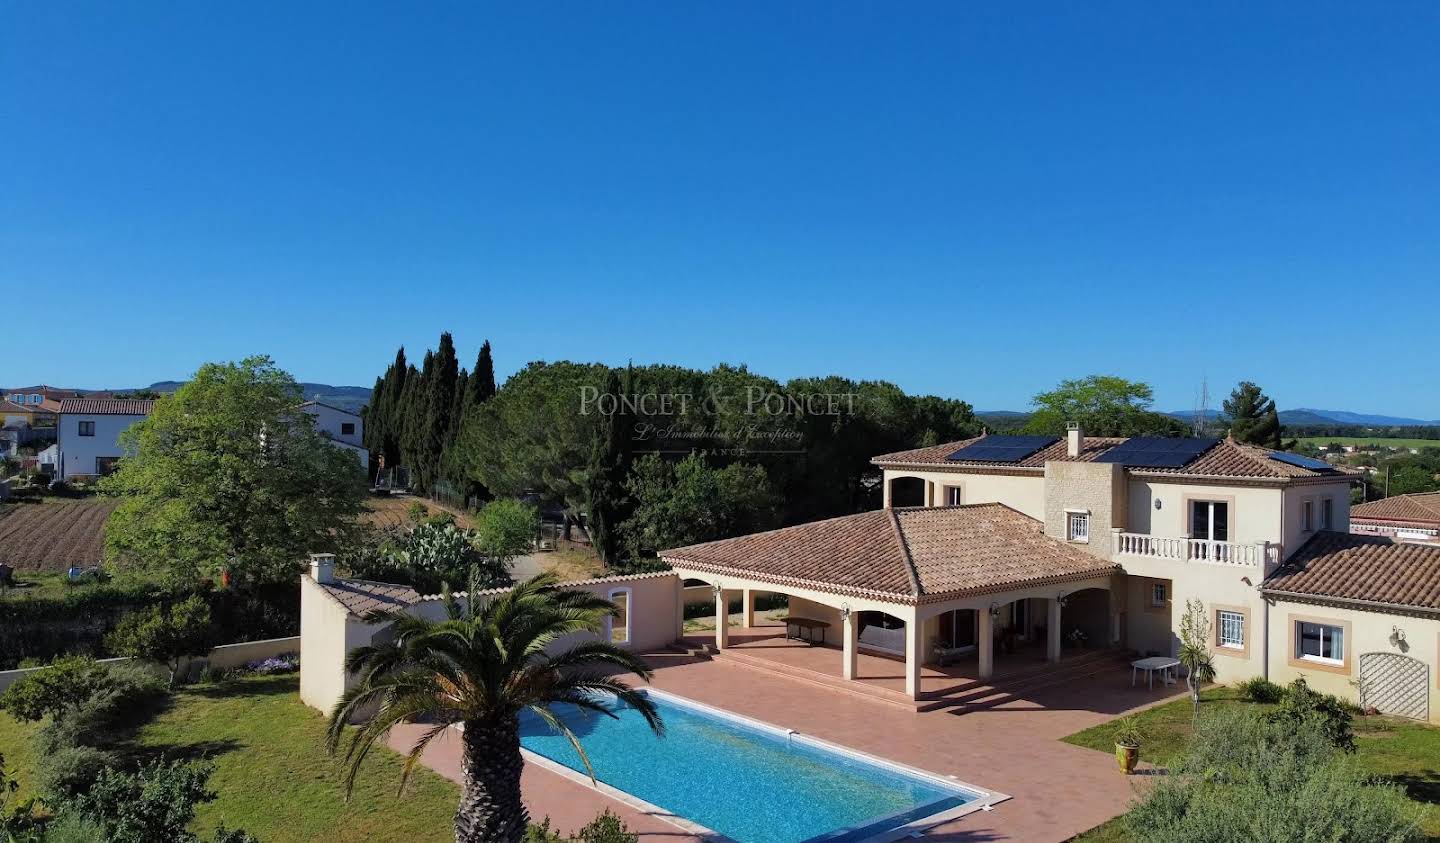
(1227, 459)
(909, 554)
(360, 597)
(108, 406)
(1363, 568)
(1416, 507)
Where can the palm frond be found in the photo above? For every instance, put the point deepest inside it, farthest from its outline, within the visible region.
(559, 726)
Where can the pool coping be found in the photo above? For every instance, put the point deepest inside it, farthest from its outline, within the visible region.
(984, 800)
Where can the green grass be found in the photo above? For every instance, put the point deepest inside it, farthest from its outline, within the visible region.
(1402, 751)
(272, 772)
(1377, 441)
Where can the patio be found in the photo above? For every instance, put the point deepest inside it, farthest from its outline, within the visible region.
(1023, 677)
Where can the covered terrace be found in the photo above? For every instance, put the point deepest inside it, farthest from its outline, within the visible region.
(917, 585)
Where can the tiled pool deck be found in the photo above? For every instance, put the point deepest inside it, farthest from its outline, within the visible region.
(1004, 736)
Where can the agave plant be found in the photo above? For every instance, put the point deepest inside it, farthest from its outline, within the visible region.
(479, 668)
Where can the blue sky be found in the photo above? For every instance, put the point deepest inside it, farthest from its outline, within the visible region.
(970, 200)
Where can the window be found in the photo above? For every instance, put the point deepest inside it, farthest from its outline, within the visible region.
(1210, 520)
(1320, 642)
(619, 623)
(1159, 595)
(1231, 626)
(1327, 508)
(347, 428)
(1077, 526)
(952, 495)
(87, 428)
(1307, 516)
(36, 398)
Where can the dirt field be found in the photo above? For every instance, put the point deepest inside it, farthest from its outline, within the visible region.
(388, 512)
(54, 534)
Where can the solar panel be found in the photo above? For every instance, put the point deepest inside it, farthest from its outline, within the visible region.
(1157, 452)
(1002, 448)
(1302, 462)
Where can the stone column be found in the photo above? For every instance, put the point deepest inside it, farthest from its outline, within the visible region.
(914, 655)
(679, 608)
(722, 619)
(851, 643)
(748, 607)
(885, 491)
(985, 643)
(1052, 630)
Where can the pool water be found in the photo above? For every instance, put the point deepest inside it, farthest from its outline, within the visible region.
(747, 782)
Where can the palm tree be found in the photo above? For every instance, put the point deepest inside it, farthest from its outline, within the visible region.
(480, 667)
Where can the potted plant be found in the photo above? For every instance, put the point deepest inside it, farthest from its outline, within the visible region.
(1127, 743)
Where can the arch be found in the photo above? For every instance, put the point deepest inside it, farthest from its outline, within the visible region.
(906, 490)
(618, 626)
(1085, 618)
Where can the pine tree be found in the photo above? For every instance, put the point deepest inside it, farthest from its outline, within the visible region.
(609, 468)
(1252, 416)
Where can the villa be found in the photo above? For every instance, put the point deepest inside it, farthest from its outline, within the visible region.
(1011, 580)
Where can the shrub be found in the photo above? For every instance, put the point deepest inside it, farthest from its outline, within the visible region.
(72, 828)
(1260, 690)
(56, 690)
(69, 769)
(607, 828)
(155, 802)
(164, 634)
(1327, 715)
(284, 663)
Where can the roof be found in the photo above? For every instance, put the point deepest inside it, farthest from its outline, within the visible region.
(108, 406)
(1227, 459)
(1361, 569)
(360, 597)
(1365, 569)
(331, 407)
(908, 555)
(1423, 507)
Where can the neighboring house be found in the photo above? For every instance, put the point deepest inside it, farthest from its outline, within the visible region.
(1409, 518)
(89, 433)
(345, 429)
(995, 553)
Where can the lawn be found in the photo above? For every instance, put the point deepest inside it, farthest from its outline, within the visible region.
(1321, 441)
(272, 772)
(1402, 751)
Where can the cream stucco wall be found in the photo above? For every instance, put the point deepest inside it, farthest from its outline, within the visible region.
(1025, 493)
(1295, 533)
(1366, 632)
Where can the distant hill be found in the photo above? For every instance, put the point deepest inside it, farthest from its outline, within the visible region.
(351, 398)
(1301, 416)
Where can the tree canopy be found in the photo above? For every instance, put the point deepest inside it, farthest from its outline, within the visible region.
(229, 473)
(1103, 405)
(1252, 416)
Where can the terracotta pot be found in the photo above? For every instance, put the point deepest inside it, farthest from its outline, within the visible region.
(1127, 757)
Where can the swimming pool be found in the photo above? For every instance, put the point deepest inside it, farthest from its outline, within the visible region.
(748, 781)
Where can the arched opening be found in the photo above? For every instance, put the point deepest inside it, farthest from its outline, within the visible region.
(907, 491)
(618, 625)
(1085, 620)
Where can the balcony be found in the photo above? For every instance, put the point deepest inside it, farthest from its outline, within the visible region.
(1202, 551)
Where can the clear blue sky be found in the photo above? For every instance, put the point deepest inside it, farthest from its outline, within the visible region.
(974, 200)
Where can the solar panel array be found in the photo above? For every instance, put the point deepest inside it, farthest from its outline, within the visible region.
(1157, 452)
(1003, 448)
(1302, 462)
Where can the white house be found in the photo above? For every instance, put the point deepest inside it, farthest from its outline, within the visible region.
(345, 429)
(89, 433)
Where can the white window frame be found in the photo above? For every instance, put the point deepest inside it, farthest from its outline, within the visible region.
(1230, 629)
(36, 398)
(952, 496)
(17, 398)
(1327, 631)
(1077, 525)
(1164, 591)
(629, 616)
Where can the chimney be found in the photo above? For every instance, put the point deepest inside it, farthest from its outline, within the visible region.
(1074, 439)
(322, 567)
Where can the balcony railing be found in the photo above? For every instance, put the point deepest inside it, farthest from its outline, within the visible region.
(1181, 549)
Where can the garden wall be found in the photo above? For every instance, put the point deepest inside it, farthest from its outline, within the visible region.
(224, 657)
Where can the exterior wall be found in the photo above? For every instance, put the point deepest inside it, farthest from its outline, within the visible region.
(1231, 587)
(1025, 493)
(1096, 488)
(1295, 533)
(1256, 514)
(328, 421)
(1368, 632)
(78, 454)
(322, 647)
(1412, 532)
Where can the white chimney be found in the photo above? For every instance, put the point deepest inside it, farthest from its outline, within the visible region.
(1074, 439)
(322, 567)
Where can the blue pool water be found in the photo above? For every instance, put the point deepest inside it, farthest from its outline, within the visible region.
(750, 784)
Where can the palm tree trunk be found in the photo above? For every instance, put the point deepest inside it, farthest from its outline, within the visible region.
(490, 809)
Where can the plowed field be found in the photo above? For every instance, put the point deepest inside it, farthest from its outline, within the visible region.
(53, 535)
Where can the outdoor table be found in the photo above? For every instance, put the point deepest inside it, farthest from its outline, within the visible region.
(804, 626)
(1164, 664)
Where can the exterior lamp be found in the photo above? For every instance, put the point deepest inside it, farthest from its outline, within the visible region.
(1397, 636)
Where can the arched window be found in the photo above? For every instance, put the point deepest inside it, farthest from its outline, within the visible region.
(617, 627)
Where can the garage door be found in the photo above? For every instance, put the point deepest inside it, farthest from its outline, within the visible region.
(1395, 684)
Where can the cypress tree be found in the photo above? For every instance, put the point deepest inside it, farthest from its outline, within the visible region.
(482, 377)
(439, 407)
(410, 418)
(609, 466)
